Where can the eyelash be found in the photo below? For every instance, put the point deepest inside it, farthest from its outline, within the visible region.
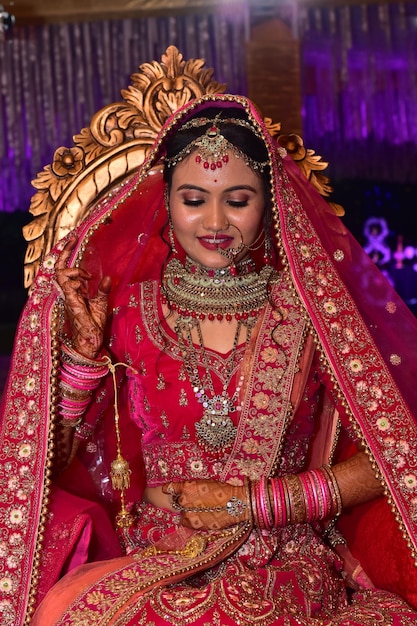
(193, 202)
(235, 204)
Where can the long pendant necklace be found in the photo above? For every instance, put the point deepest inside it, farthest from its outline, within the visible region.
(197, 293)
(215, 429)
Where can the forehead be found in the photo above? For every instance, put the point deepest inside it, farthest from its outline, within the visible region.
(233, 173)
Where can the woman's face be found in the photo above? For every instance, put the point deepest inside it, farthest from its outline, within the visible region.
(213, 209)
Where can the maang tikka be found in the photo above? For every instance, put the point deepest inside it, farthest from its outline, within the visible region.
(213, 147)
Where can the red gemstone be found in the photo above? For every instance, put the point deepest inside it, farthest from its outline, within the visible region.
(212, 166)
(219, 164)
(198, 159)
(219, 317)
(211, 317)
(206, 165)
(229, 317)
(225, 158)
(233, 271)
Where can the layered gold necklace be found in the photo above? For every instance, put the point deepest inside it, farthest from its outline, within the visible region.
(197, 293)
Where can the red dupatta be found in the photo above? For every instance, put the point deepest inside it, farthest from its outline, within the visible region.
(350, 309)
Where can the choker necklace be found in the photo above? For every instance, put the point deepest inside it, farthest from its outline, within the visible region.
(199, 292)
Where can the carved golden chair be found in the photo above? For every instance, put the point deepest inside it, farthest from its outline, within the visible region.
(116, 143)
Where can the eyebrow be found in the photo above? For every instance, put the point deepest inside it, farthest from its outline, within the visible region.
(234, 188)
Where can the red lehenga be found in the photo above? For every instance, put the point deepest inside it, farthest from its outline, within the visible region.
(320, 378)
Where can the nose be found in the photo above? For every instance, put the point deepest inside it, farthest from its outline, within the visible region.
(215, 218)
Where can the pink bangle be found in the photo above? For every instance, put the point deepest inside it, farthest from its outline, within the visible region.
(308, 497)
(265, 503)
(253, 495)
(334, 489)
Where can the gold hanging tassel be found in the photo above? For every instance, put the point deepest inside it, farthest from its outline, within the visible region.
(120, 471)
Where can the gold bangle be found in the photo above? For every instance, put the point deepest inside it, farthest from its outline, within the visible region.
(334, 489)
(72, 393)
(296, 499)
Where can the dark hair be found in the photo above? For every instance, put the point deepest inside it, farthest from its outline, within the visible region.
(240, 136)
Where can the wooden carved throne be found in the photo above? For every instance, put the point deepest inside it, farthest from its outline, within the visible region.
(116, 143)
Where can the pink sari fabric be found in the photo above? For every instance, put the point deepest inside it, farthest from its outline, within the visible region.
(354, 317)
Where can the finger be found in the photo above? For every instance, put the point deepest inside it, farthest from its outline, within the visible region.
(72, 287)
(104, 286)
(73, 272)
(193, 522)
(173, 489)
(66, 252)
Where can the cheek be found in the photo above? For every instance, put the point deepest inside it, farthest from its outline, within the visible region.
(182, 222)
(255, 223)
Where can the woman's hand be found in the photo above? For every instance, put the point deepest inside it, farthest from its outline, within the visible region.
(86, 316)
(208, 504)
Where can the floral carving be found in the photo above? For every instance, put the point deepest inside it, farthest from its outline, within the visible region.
(310, 164)
(68, 161)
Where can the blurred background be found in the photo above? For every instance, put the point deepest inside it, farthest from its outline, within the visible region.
(341, 73)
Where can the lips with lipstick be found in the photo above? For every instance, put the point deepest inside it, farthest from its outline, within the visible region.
(214, 242)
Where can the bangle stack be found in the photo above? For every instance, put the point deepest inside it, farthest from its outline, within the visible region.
(79, 377)
(295, 498)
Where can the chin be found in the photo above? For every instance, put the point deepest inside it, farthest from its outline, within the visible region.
(213, 261)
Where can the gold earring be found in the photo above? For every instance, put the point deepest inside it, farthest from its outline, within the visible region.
(170, 226)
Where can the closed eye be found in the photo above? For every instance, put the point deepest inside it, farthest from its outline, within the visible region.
(237, 204)
(197, 202)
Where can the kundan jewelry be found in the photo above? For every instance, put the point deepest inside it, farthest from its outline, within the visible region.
(215, 429)
(197, 293)
(213, 148)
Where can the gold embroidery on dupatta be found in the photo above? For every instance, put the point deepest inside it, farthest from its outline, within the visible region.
(269, 372)
(113, 595)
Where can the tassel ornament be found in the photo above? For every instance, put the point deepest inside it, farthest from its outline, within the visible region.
(119, 469)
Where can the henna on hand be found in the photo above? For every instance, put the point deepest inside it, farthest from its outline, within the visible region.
(66, 446)
(86, 316)
(208, 504)
(356, 480)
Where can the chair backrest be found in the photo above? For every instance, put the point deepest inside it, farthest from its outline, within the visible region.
(116, 143)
